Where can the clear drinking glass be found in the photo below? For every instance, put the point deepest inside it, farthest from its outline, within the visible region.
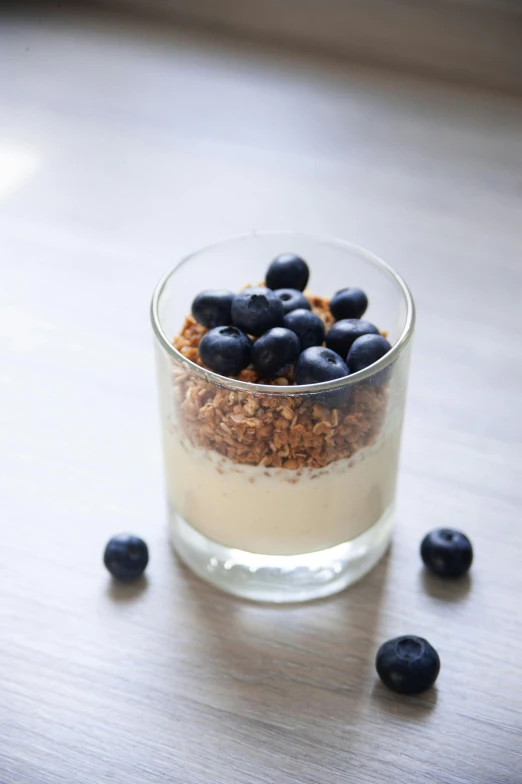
(281, 493)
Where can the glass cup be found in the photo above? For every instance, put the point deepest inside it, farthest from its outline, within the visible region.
(281, 493)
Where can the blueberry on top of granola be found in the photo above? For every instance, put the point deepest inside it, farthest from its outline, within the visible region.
(308, 326)
(264, 331)
(275, 351)
(317, 364)
(366, 350)
(288, 271)
(342, 335)
(292, 299)
(256, 310)
(212, 308)
(348, 303)
(226, 350)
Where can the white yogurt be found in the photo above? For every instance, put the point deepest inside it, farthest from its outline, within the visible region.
(273, 511)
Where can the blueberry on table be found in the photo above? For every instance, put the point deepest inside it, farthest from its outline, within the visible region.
(308, 327)
(407, 665)
(275, 351)
(365, 351)
(348, 304)
(292, 299)
(256, 310)
(126, 556)
(343, 334)
(212, 308)
(447, 552)
(317, 364)
(287, 271)
(225, 350)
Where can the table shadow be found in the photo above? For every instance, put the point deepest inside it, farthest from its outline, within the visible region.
(122, 592)
(404, 707)
(286, 656)
(445, 590)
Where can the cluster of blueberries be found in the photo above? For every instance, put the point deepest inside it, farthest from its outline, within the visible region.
(407, 664)
(287, 332)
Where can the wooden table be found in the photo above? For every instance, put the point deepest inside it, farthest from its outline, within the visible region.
(121, 148)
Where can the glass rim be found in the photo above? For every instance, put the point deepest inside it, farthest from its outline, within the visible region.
(294, 389)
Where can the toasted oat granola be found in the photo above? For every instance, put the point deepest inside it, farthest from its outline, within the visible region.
(275, 431)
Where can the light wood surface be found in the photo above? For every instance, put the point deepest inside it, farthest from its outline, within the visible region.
(120, 149)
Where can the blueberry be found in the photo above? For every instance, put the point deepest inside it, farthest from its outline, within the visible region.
(407, 665)
(225, 350)
(317, 364)
(288, 271)
(257, 310)
(292, 299)
(446, 552)
(126, 556)
(308, 327)
(365, 351)
(343, 333)
(274, 351)
(212, 308)
(348, 304)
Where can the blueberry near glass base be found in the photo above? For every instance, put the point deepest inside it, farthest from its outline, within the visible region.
(280, 488)
(447, 553)
(408, 664)
(126, 557)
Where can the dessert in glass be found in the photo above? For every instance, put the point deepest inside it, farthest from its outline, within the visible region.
(282, 368)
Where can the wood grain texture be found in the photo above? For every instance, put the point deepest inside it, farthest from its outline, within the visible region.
(121, 149)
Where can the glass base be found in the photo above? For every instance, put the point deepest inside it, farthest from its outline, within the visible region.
(281, 578)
